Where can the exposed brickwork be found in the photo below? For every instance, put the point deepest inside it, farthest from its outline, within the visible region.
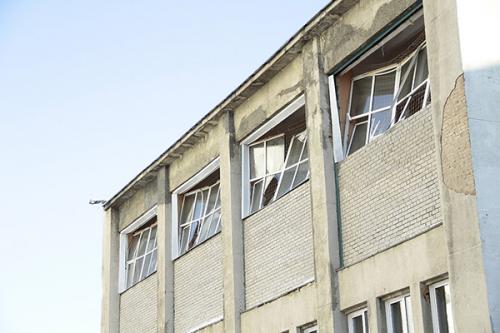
(199, 285)
(278, 247)
(389, 190)
(138, 307)
(456, 152)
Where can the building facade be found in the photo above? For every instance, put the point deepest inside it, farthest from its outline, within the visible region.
(350, 185)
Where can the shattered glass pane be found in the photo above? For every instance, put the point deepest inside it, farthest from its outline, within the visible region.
(358, 137)
(302, 173)
(187, 207)
(152, 266)
(271, 185)
(380, 122)
(294, 152)
(360, 100)
(193, 233)
(184, 238)
(383, 92)
(406, 85)
(152, 238)
(133, 246)
(286, 181)
(275, 154)
(422, 70)
(257, 161)
(256, 195)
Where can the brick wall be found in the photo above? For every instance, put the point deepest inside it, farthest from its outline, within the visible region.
(138, 307)
(278, 247)
(389, 190)
(199, 285)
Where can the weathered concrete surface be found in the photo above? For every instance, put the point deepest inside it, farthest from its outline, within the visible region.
(404, 266)
(470, 304)
(269, 99)
(357, 26)
(232, 226)
(165, 267)
(195, 158)
(283, 314)
(135, 206)
(110, 253)
(323, 193)
(215, 328)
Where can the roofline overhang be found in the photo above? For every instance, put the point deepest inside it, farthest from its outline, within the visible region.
(282, 57)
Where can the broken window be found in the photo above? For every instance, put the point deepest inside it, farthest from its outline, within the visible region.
(398, 315)
(384, 86)
(141, 253)
(199, 213)
(278, 159)
(357, 321)
(442, 321)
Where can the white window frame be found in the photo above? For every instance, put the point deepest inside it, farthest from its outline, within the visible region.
(312, 329)
(406, 309)
(434, 312)
(134, 226)
(350, 319)
(248, 141)
(340, 143)
(185, 187)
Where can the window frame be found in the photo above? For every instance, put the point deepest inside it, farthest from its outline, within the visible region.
(412, 60)
(434, 313)
(363, 312)
(182, 189)
(123, 250)
(407, 319)
(245, 144)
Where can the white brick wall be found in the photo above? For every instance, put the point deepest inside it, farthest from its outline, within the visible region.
(199, 285)
(138, 307)
(278, 247)
(389, 190)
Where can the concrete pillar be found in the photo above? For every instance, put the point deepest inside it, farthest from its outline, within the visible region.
(458, 193)
(323, 190)
(375, 320)
(232, 228)
(165, 270)
(110, 311)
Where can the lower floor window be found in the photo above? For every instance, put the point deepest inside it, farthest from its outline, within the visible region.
(442, 321)
(358, 321)
(398, 315)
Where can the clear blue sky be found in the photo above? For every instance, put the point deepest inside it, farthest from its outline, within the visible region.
(90, 93)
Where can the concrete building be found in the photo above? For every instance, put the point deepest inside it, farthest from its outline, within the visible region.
(350, 184)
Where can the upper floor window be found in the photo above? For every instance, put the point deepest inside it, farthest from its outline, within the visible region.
(357, 322)
(275, 158)
(385, 85)
(197, 209)
(138, 250)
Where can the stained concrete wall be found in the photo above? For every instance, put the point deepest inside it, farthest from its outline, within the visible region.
(271, 98)
(406, 266)
(138, 204)
(286, 313)
(278, 247)
(198, 285)
(138, 307)
(389, 189)
(195, 158)
(357, 26)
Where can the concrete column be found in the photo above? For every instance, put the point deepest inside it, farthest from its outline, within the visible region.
(232, 228)
(420, 322)
(323, 192)
(165, 271)
(454, 159)
(375, 320)
(110, 312)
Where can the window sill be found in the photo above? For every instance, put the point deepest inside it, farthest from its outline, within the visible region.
(138, 283)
